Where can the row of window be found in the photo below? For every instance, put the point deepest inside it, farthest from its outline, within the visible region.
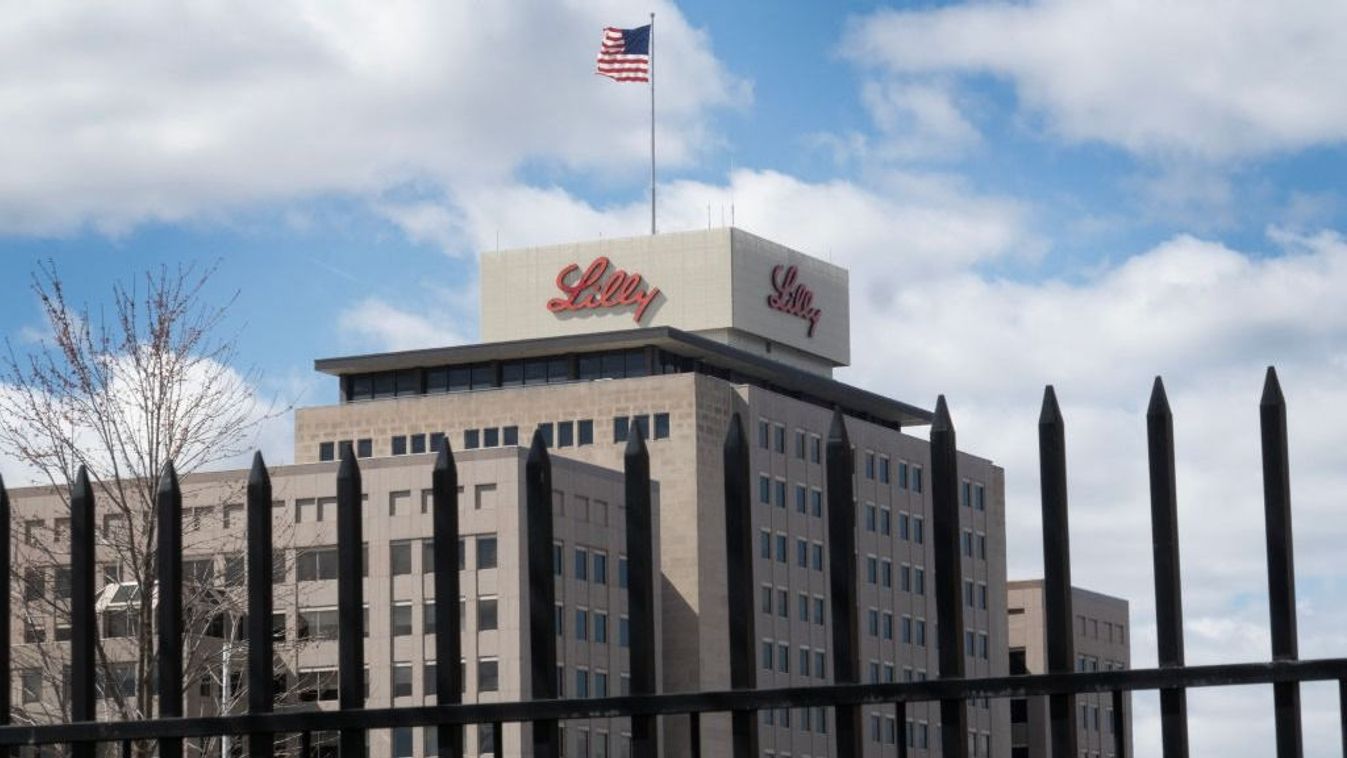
(1093, 628)
(558, 434)
(808, 720)
(614, 364)
(809, 446)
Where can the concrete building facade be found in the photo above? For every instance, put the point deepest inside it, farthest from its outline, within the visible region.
(1101, 632)
(399, 593)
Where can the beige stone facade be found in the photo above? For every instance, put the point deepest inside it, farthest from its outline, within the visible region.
(398, 591)
(685, 456)
(1102, 631)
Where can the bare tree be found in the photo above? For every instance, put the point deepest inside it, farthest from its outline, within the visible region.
(122, 392)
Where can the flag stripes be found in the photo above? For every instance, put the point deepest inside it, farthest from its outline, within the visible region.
(624, 54)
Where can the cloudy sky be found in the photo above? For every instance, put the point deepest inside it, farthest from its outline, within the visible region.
(1082, 194)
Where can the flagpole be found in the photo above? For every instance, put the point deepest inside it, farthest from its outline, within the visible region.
(652, 123)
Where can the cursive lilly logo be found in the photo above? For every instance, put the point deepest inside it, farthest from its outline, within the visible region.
(590, 290)
(788, 296)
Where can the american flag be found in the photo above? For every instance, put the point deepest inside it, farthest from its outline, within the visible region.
(624, 54)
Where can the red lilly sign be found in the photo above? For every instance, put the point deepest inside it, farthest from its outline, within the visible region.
(788, 296)
(590, 290)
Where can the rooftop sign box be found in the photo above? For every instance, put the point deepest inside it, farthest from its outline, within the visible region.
(725, 284)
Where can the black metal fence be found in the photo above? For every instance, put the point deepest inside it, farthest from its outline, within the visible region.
(846, 694)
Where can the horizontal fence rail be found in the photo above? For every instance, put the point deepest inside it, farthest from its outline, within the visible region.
(723, 701)
(950, 688)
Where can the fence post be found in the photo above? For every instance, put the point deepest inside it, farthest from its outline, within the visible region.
(1057, 571)
(168, 502)
(261, 666)
(948, 577)
(542, 594)
(6, 602)
(83, 624)
(640, 588)
(1168, 589)
(840, 479)
(350, 600)
(448, 646)
(739, 584)
(1281, 576)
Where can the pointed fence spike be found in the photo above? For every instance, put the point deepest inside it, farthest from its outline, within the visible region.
(1159, 405)
(350, 598)
(1272, 388)
(448, 647)
(539, 545)
(169, 658)
(1058, 615)
(941, 422)
(1280, 561)
(946, 535)
(1165, 557)
(839, 477)
(83, 620)
(258, 473)
(635, 442)
(1052, 412)
(261, 569)
(837, 428)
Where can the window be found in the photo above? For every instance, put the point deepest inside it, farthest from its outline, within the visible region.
(318, 624)
(600, 568)
(581, 564)
(34, 584)
(780, 493)
(584, 431)
(801, 499)
(547, 432)
(488, 675)
(799, 444)
(471, 439)
(400, 557)
(621, 428)
(622, 572)
(916, 478)
(920, 583)
(979, 497)
(599, 624)
(326, 451)
(398, 444)
(486, 552)
(310, 565)
(235, 570)
(764, 489)
(581, 682)
(491, 437)
(801, 553)
(918, 529)
(623, 631)
(869, 465)
(764, 434)
(402, 687)
(781, 548)
(364, 448)
(779, 437)
(815, 448)
(581, 624)
(565, 433)
(31, 684)
(418, 443)
(661, 426)
(817, 550)
(401, 620)
(884, 469)
(816, 502)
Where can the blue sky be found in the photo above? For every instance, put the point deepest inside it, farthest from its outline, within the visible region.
(1086, 194)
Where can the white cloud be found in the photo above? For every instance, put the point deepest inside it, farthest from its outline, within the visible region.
(378, 324)
(915, 223)
(146, 110)
(1210, 78)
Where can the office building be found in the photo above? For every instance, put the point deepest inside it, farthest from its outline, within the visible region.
(673, 334)
(1101, 631)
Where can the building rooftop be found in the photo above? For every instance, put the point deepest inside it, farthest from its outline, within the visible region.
(695, 353)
